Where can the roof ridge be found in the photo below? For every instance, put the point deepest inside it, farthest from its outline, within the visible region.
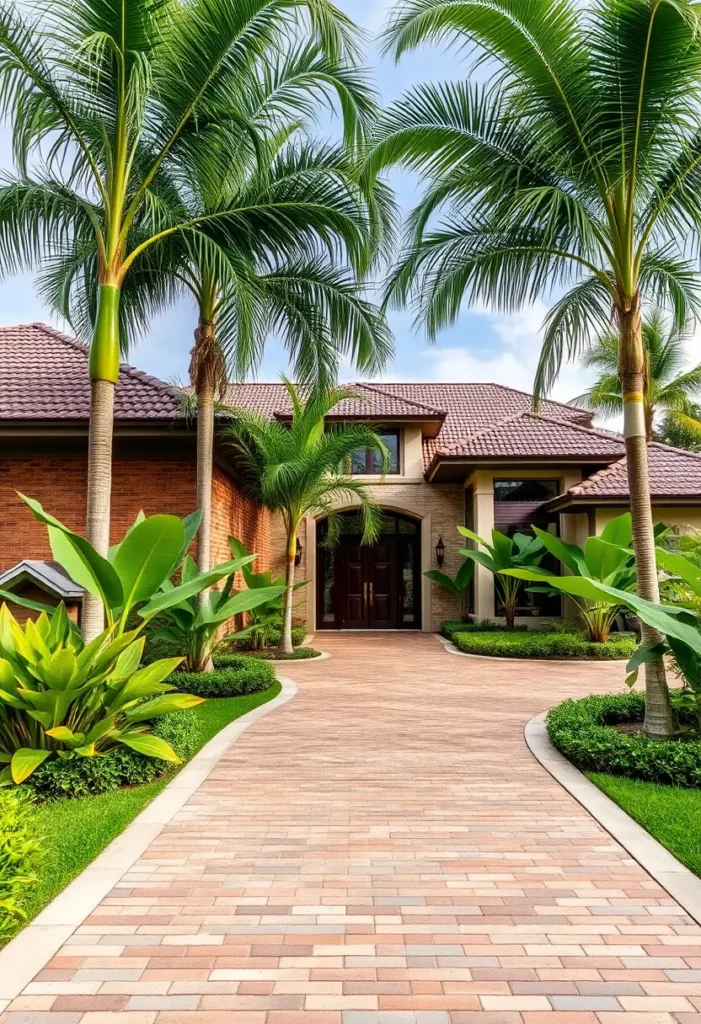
(674, 448)
(484, 430)
(409, 401)
(141, 375)
(610, 434)
(486, 383)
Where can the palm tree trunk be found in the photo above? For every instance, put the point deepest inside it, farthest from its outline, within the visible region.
(659, 718)
(104, 374)
(285, 646)
(205, 459)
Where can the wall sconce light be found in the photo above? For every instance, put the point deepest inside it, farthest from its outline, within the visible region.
(298, 553)
(440, 551)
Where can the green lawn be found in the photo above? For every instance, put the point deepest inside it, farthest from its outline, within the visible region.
(671, 814)
(76, 831)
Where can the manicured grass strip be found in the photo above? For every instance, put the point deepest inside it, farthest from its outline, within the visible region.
(75, 831)
(669, 813)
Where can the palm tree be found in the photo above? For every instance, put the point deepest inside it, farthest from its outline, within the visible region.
(292, 470)
(577, 166)
(667, 387)
(247, 284)
(105, 98)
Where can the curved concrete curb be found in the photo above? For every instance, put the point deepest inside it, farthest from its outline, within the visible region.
(26, 955)
(680, 883)
(452, 649)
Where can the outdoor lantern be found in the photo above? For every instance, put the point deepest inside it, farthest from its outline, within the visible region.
(440, 551)
(298, 553)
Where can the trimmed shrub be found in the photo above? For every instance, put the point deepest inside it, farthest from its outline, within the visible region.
(272, 654)
(582, 731)
(272, 638)
(450, 627)
(88, 776)
(540, 644)
(20, 855)
(227, 680)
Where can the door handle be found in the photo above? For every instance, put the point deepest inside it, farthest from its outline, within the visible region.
(365, 593)
(371, 594)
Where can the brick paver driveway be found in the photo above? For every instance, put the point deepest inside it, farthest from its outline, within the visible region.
(384, 850)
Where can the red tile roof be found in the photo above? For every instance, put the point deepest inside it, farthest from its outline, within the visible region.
(44, 376)
(365, 401)
(673, 473)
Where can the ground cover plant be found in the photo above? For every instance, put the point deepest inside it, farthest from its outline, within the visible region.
(536, 643)
(273, 654)
(73, 832)
(20, 858)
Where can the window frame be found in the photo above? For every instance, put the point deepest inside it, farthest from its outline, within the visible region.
(370, 456)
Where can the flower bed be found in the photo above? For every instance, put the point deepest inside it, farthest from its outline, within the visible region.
(542, 644)
(583, 731)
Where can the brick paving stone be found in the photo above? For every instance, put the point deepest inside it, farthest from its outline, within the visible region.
(384, 850)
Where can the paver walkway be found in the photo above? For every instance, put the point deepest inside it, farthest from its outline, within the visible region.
(384, 850)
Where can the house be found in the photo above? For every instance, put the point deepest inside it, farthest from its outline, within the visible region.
(468, 453)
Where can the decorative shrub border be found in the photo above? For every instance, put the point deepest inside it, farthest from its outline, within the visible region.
(234, 675)
(537, 644)
(581, 730)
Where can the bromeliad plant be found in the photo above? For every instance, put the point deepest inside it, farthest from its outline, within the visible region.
(505, 553)
(607, 558)
(458, 587)
(62, 698)
(193, 623)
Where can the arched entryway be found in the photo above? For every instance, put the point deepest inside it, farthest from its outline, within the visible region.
(370, 586)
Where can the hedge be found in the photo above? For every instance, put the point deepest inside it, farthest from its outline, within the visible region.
(581, 730)
(450, 627)
(20, 855)
(234, 675)
(541, 644)
(272, 654)
(88, 776)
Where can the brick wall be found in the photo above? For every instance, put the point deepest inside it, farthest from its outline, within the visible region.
(235, 514)
(164, 485)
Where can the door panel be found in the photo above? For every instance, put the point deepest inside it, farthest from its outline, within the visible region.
(382, 565)
(354, 613)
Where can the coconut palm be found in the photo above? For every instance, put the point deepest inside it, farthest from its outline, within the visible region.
(667, 387)
(293, 470)
(577, 166)
(104, 97)
(247, 284)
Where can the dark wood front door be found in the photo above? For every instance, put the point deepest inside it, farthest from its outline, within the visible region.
(371, 586)
(367, 591)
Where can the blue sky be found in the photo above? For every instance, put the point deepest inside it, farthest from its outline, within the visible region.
(480, 347)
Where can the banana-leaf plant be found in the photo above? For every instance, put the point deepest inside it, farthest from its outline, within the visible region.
(607, 558)
(505, 553)
(267, 615)
(192, 625)
(458, 587)
(62, 698)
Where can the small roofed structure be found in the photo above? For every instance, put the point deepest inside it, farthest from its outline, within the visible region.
(43, 582)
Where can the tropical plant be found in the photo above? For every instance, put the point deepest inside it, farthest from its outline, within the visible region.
(62, 698)
(667, 387)
(267, 616)
(504, 553)
(680, 430)
(292, 469)
(192, 625)
(112, 103)
(575, 167)
(458, 587)
(607, 558)
(20, 855)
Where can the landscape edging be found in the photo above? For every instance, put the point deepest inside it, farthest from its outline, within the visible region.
(28, 953)
(681, 883)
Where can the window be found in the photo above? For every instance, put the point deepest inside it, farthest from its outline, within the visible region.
(525, 490)
(369, 462)
(516, 509)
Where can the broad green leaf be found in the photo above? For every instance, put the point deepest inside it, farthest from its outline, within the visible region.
(480, 556)
(146, 557)
(168, 599)
(25, 602)
(163, 706)
(619, 531)
(464, 574)
(59, 669)
(25, 761)
(472, 536)
(247, 600)
(7, 675)
(442, 579)
(144, 683)
(128, 661)
(678, 565)
(86, 567)
(101, 729)
(191, 525)
(569, 554)
(64, 734)
(502, 549)
(151, 746)
(603, 559)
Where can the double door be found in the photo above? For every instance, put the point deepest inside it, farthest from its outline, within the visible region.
(367, 580)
